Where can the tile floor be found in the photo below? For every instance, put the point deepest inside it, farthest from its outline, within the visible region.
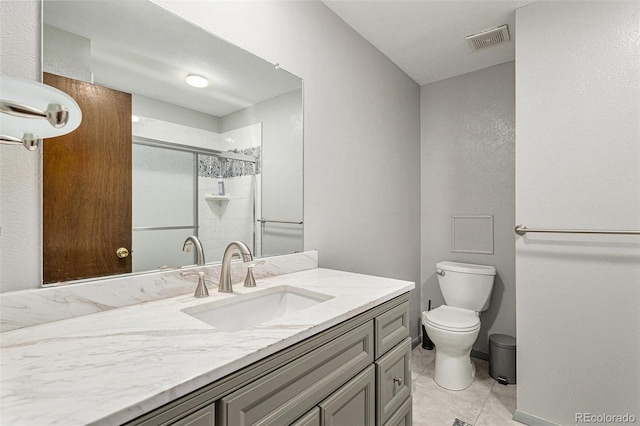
(484, 403)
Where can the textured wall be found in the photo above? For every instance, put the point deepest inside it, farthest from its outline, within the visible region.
(578, 166)
(66, 54)
(467, 154)
(20, 265)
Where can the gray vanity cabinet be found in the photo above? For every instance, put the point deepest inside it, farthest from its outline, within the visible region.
(402, 417)
(353, 404)
(285, 394)
(393, 380)
(355, 373)
(391, 328)
(312, 418)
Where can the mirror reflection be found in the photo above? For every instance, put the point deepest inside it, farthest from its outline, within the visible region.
(222, 162)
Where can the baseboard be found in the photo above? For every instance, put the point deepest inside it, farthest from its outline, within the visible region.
(475, 354)
(415, 342)
(479, 355)
(531, 420)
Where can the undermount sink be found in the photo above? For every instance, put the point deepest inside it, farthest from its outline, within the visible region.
(244, 311)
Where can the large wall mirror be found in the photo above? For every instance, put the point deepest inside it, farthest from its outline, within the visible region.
(127, 62)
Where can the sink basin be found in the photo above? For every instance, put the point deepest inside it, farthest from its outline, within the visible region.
(245, 311)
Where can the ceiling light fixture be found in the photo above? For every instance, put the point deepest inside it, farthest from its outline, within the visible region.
(198, 81)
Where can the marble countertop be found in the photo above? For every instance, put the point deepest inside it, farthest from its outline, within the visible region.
(113, 366)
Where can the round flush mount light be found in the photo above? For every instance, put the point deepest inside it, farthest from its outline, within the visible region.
(198, 81)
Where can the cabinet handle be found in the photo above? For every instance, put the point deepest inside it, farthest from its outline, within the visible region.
(397, 380)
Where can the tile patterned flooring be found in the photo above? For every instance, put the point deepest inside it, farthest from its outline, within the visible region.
(484, 403)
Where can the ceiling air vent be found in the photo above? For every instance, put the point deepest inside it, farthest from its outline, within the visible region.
(488, 38)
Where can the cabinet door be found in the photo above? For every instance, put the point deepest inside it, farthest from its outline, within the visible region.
(284, 395)
(402, 417)
(312, 418)
(352, 404)
(203, 417)
(393, 380)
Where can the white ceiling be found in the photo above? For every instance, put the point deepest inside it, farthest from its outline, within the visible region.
(133, 51)
(140, 48)
(426, 38)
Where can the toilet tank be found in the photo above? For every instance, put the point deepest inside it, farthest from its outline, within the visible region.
(465, 285)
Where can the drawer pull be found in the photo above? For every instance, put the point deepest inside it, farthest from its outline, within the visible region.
(397, 380)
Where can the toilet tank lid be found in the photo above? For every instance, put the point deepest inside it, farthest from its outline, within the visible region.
(466, 268)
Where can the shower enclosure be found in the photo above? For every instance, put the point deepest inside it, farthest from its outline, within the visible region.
(176, 194)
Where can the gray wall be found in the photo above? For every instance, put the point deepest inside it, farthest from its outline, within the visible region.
(361, 134)
(467, 152)
(361, 131)
(578, 167)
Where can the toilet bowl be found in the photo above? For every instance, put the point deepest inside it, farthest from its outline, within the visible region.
(453, 334)
(454, 327)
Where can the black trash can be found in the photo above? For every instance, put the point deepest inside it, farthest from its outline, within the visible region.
(502, 358)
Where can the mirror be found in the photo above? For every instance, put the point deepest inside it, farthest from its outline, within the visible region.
(243, 131)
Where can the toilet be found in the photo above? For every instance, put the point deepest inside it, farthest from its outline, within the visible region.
(454, 327)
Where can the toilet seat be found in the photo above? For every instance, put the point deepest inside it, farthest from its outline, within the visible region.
(452, 319)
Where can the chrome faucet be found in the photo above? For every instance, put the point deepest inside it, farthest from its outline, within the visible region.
(225, 273)
(194, 241)
(201, 288)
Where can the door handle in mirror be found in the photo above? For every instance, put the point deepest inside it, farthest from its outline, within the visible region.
(122, 253)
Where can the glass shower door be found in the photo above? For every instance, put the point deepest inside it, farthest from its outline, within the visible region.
(164, 206)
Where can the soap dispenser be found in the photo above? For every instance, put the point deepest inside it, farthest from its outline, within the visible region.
(220, 186)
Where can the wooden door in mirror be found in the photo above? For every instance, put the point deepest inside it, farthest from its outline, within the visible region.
(87, 187)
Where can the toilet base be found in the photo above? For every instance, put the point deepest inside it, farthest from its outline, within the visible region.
(454, 372)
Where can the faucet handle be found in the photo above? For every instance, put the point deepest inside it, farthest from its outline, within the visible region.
(201, 288)
(250, 280)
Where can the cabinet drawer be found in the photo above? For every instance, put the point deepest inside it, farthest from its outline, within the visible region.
(203, 417)
(312, 418)
(402, 417)
(352, 404)
(391, 328)
(284, 395)
(393, 380)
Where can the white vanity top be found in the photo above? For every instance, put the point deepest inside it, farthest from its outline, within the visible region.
(113, 366)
